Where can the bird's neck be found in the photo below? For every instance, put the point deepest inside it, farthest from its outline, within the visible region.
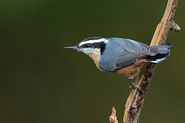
(96, 57)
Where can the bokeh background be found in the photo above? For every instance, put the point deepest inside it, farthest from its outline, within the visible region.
(41, 82)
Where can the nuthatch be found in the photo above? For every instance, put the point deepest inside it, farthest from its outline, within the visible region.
(123, 56)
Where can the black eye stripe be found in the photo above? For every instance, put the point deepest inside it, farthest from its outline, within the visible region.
(93, 45)
(86, 45)
(100, 45)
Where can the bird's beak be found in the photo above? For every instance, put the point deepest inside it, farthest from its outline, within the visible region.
(73, 47)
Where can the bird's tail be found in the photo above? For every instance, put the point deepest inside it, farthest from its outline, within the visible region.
(163, 53)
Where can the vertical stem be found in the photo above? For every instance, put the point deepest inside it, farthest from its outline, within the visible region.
(136, 98)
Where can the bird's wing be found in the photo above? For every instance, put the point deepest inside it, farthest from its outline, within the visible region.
(133, 51)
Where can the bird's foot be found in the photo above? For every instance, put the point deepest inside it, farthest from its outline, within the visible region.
(134, 76)
(131, 77)
(134, 86)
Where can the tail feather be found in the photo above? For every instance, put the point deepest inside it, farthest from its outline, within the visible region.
(163, 52)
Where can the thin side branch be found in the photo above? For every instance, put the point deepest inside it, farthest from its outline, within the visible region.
(113, 117)
(136, 98)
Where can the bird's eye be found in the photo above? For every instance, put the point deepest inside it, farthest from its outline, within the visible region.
(86, 45)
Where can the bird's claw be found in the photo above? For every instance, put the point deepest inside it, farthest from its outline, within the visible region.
(134, 86)
(131, 77)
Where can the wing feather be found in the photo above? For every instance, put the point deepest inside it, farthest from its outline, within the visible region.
(131, 52)
(121, 52)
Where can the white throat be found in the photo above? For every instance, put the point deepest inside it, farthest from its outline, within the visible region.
(90, 51)
(95, 56)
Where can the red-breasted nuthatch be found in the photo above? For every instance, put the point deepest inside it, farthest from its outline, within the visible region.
(123, 56)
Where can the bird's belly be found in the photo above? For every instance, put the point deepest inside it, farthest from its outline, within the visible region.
(131, 70)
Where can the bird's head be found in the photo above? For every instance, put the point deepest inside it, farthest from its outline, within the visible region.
(91, 46)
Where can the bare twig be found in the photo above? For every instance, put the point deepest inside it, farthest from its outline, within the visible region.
(113, 117)
(136, 98)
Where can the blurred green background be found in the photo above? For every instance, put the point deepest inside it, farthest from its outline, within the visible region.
(41, 82)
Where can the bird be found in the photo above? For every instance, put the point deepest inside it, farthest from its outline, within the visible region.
(121, 55)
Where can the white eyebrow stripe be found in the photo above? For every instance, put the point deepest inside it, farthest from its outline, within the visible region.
(94, 41)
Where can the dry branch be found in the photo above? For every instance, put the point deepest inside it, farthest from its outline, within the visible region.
(113, 117)
(136, 98)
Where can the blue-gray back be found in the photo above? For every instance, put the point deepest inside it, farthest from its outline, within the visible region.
(121, 52)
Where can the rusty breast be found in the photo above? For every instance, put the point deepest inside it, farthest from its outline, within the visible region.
(132, 69)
